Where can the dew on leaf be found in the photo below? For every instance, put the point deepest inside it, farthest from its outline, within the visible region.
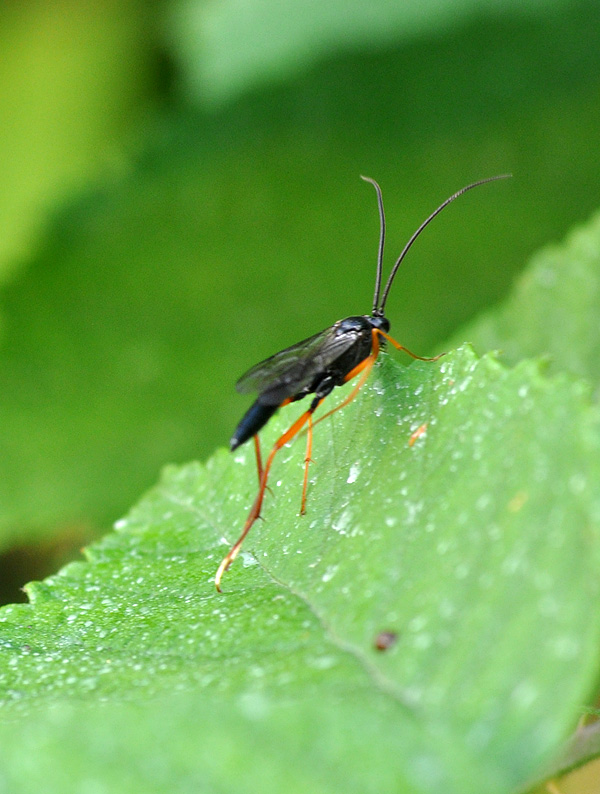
(446, 608)
(461, 571)
(413, 509)
(565, 647)
(417, 623)
(483, 501)
(323, 662)
(354, 473)
(254, 705)
(486, 581)
(343, 522)
(548, 606)
(524, 694)
(248, 559)
(577, 483)
(512, 564)
(422, 641)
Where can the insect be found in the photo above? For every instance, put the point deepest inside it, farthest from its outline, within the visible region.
(347, 349)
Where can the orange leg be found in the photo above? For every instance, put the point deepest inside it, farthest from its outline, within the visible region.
(398, 346)
(259, 466)
(256, 507)
(307, 460)
(420, 431)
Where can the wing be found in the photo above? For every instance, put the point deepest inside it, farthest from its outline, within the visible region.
(286, 373)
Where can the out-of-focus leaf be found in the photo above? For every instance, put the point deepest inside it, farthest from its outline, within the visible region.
(229, 46)
(72, 79)
(553, 310)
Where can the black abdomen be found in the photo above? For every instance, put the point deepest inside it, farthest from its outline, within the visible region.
(255, 418)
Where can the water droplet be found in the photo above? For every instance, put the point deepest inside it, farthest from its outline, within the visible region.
(486, 580)
(548, 606)
(577, 483)
(417, 623)
(323, 662)
(354, 473)
(341, 524)
(524, 694)
(248, 559)
(446, 608)
(565, 647)
(461, 571)
(330, 573)
(512, 564)
(483, 501)
(422, 641)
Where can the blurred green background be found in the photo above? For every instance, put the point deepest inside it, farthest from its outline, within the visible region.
(181, 199)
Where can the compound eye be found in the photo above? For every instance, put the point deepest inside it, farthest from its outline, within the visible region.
(380, 323)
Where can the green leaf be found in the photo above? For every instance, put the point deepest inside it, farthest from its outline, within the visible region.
(225, 48)
(72, 80)
(553, 310)
(477, 546)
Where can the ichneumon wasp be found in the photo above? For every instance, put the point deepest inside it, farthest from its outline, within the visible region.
(347, 349)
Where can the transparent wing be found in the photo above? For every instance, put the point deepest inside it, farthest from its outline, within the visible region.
(286, 373)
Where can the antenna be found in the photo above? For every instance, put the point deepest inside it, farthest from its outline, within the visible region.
(379, 310)
(381, 241)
